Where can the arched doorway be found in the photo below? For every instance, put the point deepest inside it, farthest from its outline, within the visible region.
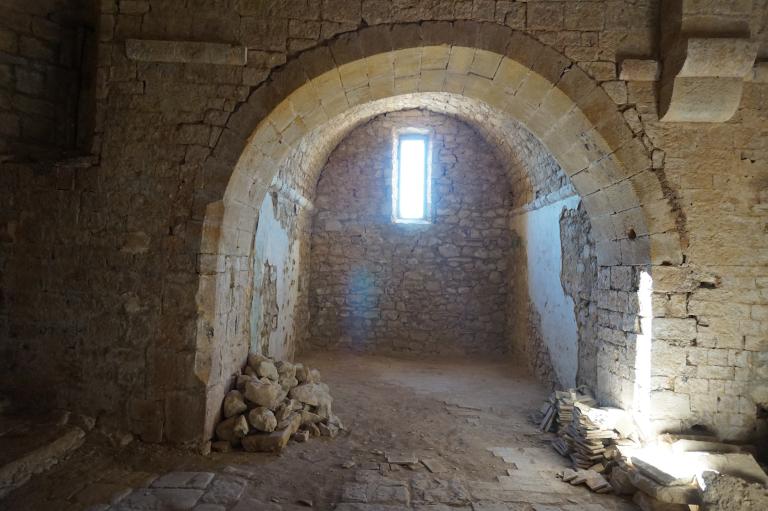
(505, 79)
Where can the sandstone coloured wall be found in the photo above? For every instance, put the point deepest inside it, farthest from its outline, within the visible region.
(102, 260)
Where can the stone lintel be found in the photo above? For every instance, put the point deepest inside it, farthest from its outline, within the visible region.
(185, 51)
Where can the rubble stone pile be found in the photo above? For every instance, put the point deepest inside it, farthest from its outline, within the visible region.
(272, 403)
(669, 472)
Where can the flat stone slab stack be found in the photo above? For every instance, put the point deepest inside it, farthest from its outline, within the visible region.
(273, 403)
(587, 434)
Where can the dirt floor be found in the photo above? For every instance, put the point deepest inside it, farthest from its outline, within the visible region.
(452, 411)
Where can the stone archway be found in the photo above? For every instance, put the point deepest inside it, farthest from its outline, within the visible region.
(461, 67)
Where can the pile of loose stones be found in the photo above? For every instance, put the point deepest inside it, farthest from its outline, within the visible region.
(275, 402)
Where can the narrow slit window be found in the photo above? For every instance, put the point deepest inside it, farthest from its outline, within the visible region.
(411, 177)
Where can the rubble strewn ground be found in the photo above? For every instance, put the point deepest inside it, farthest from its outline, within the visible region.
(728, 493)
(665, 473)
(392, 407)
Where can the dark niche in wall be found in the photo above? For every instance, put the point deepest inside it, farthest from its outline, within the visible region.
(47, 79)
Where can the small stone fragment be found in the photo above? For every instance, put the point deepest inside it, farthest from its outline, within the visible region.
(286, 370)
(434, 465)
(283, 412)
(302, 373)
(329, 430)
(294, 418)
(266, 369)
(309, 418)
(401, 458)
(264, 394)
(232, 429)
(262, 419)
(334, 419)
(288, 383)
(311, 394)
(300, 436)
(270, 442)
(254, 359)
(242, 379)
(234, 404)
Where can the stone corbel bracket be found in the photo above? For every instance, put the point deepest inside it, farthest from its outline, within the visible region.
(186, 52)
(703, 77)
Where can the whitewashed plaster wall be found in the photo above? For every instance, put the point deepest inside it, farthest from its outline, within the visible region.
(540, 231)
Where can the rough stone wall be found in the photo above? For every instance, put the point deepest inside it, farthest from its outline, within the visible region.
(382, 286)
(44, 86)
(709, 364)
(100, 264)
(579, 278)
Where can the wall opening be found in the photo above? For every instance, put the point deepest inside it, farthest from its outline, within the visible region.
(411, 176)
(514, 107)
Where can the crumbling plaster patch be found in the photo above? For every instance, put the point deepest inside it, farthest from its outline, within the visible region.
(540, 230)
(578, 276)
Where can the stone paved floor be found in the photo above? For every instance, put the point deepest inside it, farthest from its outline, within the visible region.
(466, 418)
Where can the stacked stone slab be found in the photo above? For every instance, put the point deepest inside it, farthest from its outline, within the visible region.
(272, 403)
(586, 433)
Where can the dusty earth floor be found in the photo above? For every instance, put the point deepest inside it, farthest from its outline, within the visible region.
(389, 405)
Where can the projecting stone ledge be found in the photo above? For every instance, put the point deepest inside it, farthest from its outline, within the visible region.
(185, 51)
(703, 79)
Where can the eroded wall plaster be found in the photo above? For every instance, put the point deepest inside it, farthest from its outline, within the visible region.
(278, 311)
(540, 230)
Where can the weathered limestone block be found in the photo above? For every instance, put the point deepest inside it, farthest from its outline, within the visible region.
(637, 70)
(267, 369)
(313, 394)
(232, 429)
(268, 395)
(185, 51)
(262, 419)
(274, 441)
(303, 374)
(285, 369)
(234, 404)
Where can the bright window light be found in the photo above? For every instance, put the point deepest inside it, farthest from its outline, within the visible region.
(411, 178)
